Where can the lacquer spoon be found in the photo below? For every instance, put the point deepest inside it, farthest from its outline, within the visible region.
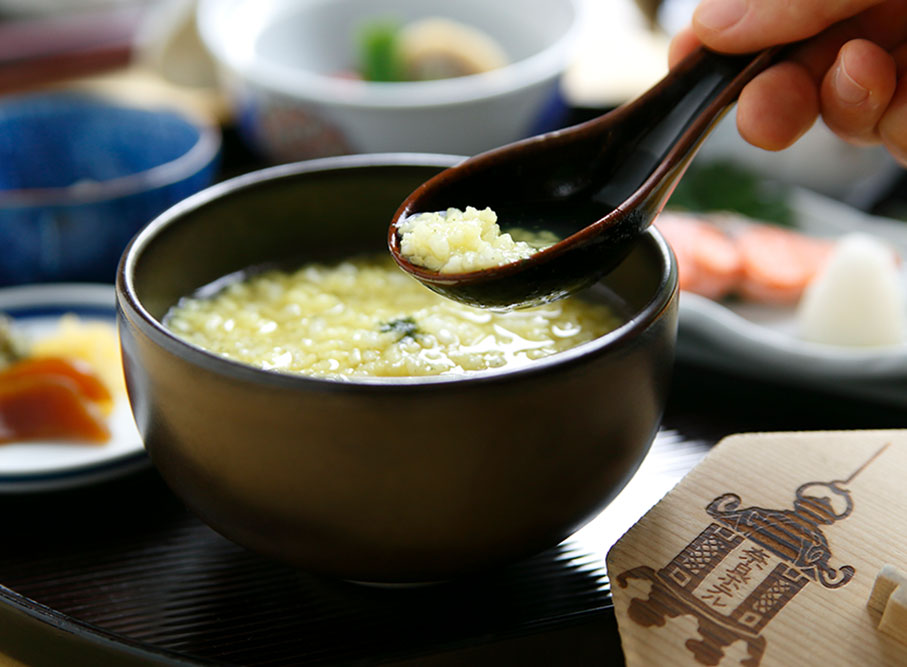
(597, 185)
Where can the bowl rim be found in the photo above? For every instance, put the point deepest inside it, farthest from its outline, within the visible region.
(204, 151)
(131, 309)
(537, 68)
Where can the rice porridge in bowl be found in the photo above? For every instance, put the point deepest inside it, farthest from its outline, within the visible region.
(361, 426)
(455, 241)
(365, 317)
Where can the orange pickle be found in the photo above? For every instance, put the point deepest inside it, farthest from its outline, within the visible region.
(79, 372)
(52, 399)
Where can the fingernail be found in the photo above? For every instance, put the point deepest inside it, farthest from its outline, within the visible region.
(718, 15)
(846, 88)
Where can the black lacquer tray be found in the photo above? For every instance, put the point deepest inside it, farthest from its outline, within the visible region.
(122, 573)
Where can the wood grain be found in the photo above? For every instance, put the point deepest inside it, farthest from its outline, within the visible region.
(766, 554)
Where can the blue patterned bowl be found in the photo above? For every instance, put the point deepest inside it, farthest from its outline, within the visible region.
(80, 175)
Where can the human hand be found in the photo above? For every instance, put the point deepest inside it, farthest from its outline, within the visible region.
(854, 73)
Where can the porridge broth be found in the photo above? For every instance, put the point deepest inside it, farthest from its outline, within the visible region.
(366, 317)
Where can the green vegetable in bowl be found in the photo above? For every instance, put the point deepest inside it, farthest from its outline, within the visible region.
(725, 186)
(12, 345)
(426, 49)
(403, 328)
(379, 57)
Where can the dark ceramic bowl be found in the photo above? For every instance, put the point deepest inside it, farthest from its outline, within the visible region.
(385, 480)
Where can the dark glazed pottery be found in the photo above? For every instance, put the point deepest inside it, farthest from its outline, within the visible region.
(400, 480)
(598, 185)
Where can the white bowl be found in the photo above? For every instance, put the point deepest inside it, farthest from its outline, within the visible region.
(279, 59)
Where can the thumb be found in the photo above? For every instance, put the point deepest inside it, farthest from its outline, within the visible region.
(742, 26)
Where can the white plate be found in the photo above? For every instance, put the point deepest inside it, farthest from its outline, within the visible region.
(50, 465)
(761, 341)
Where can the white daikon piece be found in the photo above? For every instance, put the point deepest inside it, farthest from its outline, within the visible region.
(857, 298)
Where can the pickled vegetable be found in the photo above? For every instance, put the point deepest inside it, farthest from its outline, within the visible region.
(12, 348)
(52, 399)
(89, 385)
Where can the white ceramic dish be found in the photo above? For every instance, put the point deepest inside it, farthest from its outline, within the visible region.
(279, 62)
(761, 341)
(51, 465)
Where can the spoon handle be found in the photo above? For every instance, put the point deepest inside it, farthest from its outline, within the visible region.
(665, 126)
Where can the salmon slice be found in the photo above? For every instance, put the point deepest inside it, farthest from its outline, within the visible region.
(778, 264)
(708, 261)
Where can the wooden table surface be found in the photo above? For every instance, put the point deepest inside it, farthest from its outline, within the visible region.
(122, 573)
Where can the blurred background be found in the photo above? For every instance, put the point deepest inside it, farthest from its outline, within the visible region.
(113, 110)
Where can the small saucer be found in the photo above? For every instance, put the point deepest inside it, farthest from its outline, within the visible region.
(52, 465)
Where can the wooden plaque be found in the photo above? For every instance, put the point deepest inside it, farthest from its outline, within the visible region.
(766, 554)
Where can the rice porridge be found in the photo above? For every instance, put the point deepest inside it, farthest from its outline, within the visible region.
(455, 241)
(365, 317)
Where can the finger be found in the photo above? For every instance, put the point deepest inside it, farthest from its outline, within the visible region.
(893, 124)
(742, 26)
(884, 24)
(778, 106)
(683, 43)
(856, 91)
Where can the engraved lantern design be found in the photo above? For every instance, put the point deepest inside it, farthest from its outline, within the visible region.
(738, 573)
